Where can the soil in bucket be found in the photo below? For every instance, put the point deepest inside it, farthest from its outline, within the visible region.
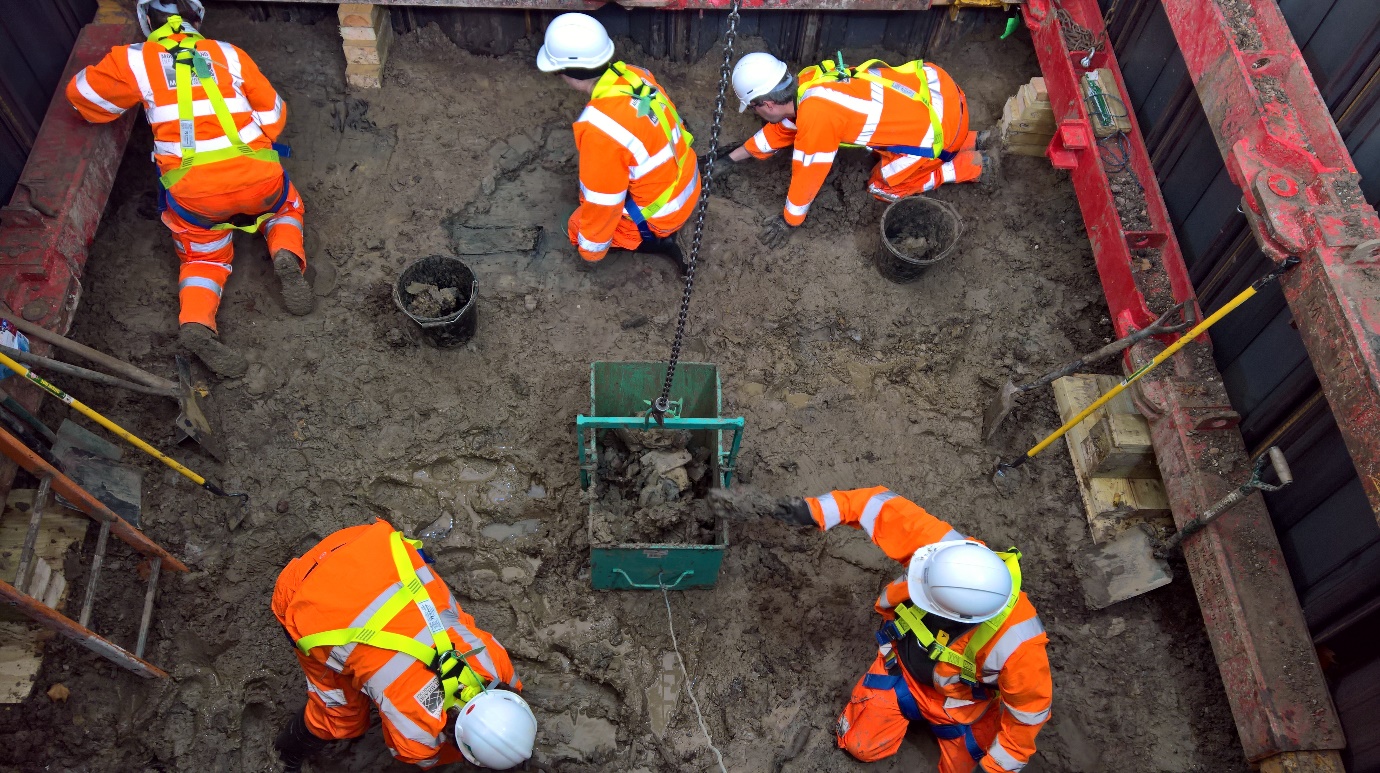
(438, 293)
(917, 232)
(652, 485)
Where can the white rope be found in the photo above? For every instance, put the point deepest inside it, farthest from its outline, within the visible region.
(671, 624)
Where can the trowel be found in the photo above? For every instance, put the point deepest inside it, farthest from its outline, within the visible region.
(1005, 401)
(1133, 564)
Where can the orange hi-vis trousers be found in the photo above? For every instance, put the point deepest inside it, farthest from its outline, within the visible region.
(925, 174)
(872, 726)
(206, 254)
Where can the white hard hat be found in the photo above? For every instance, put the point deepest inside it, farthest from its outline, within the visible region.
(959, 580)
(574, 40)
(166, 6)
(756, 75)
(496, 730)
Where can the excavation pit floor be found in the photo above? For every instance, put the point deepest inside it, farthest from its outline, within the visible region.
(845, 379)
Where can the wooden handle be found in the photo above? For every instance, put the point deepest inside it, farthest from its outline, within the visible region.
(81, 350)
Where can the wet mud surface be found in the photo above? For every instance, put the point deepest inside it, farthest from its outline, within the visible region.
(845, 379)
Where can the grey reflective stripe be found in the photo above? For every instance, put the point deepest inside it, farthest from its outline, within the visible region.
(342, 653)
(401, 722)
(396, 665)
(212, 246)
(332, 698)
(1015, 636)
(872, 509)
(952, 536)
(1026, 717)
(1002, 757)
(881, 598)
(295, 223)
(940, 682)
(830, 510)
(424, 574)
(201, 282)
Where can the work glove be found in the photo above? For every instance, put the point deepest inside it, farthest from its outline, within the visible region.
(296, 743)
(775, 233)
(793, 510)
(723, 165)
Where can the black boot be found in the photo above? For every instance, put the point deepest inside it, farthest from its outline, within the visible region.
(296, 743)
(664, 245)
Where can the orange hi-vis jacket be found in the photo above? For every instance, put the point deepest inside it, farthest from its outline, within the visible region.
(1013, 665)
(341, 583)
(831, 113)
(626, 155)
(143, 73)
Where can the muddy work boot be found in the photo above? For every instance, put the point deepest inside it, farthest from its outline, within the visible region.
(298, 299)
(664, 245)
(221, 359)
(296, 743)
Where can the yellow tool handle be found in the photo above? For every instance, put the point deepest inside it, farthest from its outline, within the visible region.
(1169, 351)
(99, 419)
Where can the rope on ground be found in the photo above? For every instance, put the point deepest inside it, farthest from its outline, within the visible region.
(671, 624)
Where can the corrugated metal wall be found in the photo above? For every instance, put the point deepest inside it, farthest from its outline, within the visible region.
(1328, 531)
(35, 38)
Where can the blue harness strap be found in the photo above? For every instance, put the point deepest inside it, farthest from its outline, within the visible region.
(954, 732)
(635, 212)
(897, 684)
(915, 150)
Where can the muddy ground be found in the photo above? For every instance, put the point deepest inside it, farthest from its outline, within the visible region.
(846, 380)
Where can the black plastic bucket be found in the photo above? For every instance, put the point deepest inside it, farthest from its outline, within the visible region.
(917, 232)
(445, 322)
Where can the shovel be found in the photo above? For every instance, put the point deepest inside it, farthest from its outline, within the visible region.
(1005, 401)
(193, 420)
(1132, 564)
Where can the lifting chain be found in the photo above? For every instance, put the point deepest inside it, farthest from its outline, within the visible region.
(663, 403)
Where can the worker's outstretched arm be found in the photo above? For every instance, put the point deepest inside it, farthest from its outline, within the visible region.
(768, 140)
(103, 91)
(270, 111)
(896, 525)
(1026, 690)
(816, 144)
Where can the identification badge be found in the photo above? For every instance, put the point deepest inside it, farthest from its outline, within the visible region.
(170, 72)
(431, 697)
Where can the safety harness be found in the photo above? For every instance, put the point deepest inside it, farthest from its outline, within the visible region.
(649, 101)
(187, 61)
(910, 620)
(458, 681)
(834, 71)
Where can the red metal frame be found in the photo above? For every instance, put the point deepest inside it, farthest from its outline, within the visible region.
(1302, 198)
(1273, 682)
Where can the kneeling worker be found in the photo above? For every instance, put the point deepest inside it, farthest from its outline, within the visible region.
(373, 623)
(639, 179)
(914, 116)
(961, 647)
(214, 118)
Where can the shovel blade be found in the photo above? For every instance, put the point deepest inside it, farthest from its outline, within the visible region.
(195, 421)
(1123, 568)
(998, 410)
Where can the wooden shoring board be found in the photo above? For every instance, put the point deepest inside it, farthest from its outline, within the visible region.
(1112, 504)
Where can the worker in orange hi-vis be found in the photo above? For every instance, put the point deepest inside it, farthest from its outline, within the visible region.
(960, 647)
(373, 623)
(913, 116)
(214, 118)
(639, 179)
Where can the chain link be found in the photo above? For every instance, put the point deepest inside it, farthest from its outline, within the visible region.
(663, 403)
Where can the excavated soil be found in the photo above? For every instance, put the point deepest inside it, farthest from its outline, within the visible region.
(845, 380)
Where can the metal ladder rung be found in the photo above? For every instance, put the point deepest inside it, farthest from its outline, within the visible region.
(26, 555)
(155, 565)
(95, 577)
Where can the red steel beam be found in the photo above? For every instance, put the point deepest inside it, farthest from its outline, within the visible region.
(1273, 682)
(1301, 196)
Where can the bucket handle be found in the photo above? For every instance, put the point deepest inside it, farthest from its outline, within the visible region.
(651, 585)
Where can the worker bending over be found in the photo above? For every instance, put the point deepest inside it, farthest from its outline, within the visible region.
(373, 623)
(639, 179)
(960, 646)
(214, 118)
(914, 116)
